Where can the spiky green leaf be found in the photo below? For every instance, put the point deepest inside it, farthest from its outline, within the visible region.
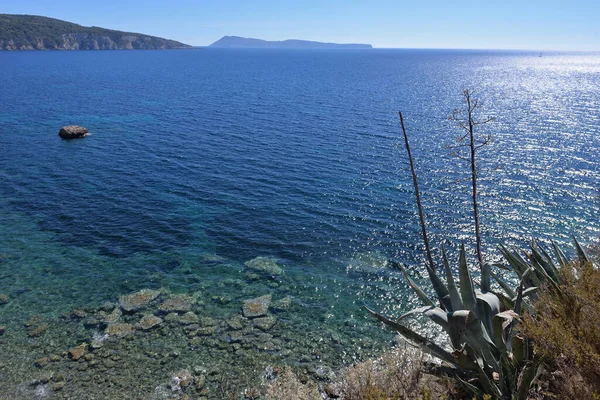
(422, 342)
(581, 253)
(420, 293)
(467, 291)
(455, 299)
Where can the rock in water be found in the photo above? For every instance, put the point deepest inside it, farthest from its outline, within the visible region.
(72, 132)
(257, 307)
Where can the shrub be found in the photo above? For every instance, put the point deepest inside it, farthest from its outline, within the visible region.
(565, 327)
(288, 386)
(397, 375)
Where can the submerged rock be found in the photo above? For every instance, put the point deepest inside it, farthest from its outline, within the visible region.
(264, 323)
(77, 352)
(78, 314)
(181, 380)
(177, 303)
(188, 318)
(236, 322)
(265, 264)
(114, 316)
(72, 132)
(149, 321)
(3, 298)
(283, 304)
(119, 330)
(37, 329)
(257, 307)
(138, 300)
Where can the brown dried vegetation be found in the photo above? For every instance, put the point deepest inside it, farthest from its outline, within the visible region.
(396, 375)
(566, 331)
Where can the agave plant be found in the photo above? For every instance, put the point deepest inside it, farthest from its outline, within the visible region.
(485, 352)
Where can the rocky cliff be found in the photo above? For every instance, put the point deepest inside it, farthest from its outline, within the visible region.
(28, 32)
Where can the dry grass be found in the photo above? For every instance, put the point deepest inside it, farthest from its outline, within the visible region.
(397, 375)
(287, 386)
(566, 332)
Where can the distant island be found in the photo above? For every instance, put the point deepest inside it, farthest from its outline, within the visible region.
(30, 32)
(241, 42)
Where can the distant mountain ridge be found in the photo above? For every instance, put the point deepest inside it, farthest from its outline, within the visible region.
(242, 42)
(31, 32)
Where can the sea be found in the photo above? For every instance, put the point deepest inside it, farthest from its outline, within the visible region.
(199, 161)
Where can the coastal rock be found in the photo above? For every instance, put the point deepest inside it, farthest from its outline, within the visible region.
(119, 330)
(236, 322)
(188, 318)
(77, 352)
(138, 300)
(282, 304)
(3, 298)
(37, 329)
(78, 314)
(264, 323)
(149, 321)
(72, 132)
(265, 264)
(177, 303)
(181, 380)
(114, 316)
(257, 307)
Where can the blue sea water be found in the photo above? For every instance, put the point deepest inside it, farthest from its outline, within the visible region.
(200, 160)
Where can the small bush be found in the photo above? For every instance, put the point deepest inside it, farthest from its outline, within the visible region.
(396, 375)
(287, 386)
(566, 332)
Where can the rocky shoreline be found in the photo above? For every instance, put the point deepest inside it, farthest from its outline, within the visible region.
(157, 344)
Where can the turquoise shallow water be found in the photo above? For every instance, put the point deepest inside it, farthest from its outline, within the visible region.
(202, 160)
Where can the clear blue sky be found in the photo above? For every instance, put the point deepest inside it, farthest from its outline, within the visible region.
(480, 24)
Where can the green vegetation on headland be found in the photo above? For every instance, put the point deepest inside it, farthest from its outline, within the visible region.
(30, 32)
(250, 43)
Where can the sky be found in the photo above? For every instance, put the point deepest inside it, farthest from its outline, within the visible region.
(483, 24)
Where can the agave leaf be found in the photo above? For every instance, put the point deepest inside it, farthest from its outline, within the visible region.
(511, 293)
(465, 361)
(466, 325)
(455, 299)
(502, 321)
(527, 375)
(519, 299)
(583, 258)
(485, 277)
(527, 292)
(514, 260)
(489, 386)
(543, 262)
(440, 289)
(562, 258)
(520, 266)
(501, 266)
(517, 310)
(419, 310)
(422, 342)
(470, 388)
(520, 349)
(467, 292)
(507, 379)
(551, 265)
(420, 293)
(488, 305)
(436, 314)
